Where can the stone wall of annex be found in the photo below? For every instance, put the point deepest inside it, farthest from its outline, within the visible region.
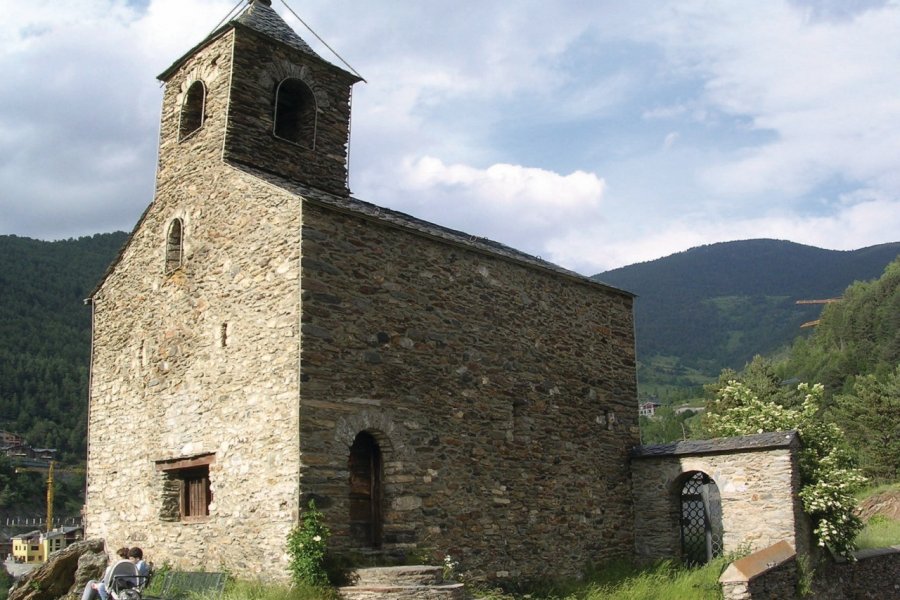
(758, 488)
(202, 361)
(502, 396)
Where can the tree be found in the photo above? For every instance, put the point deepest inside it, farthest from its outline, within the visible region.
(870, 417)
(828, 474)
(665, 426)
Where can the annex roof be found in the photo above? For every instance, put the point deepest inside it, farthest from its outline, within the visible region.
(757, 441)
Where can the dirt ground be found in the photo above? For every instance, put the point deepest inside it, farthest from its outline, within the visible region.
(886, 503)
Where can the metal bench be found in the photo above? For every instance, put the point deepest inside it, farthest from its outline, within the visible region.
(180, 585)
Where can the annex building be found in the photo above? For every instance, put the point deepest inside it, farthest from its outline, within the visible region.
(264, 339)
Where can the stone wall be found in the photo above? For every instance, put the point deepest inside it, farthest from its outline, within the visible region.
(767, 574)
(503, 398)
(757, 478)
(772, 574)
(201, 361)
(874, 575)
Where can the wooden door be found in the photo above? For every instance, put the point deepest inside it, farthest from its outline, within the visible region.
(365, 491)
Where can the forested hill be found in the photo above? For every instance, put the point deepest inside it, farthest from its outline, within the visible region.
(45, 336)
(717, 306)
(697, 312)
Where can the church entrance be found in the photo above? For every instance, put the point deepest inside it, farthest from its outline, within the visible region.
(701, 520)
(365, 491)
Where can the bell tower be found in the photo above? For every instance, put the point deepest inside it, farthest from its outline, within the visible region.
(287, 111)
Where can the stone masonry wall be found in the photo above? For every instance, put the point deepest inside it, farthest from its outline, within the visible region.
(203, 360)
(758, 491)
(875, 574)
(503, 398)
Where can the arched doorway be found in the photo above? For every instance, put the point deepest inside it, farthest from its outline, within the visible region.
(365, 491)
(701, 520)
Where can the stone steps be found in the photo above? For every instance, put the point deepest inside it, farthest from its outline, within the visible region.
(400, 583)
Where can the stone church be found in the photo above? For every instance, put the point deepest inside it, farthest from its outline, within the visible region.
(264, 339)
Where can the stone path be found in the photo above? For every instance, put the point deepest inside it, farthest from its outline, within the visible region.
(401, 583)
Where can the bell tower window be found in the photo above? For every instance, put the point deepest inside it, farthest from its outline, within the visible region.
(295, 113)
(192, 110)
(175, 246)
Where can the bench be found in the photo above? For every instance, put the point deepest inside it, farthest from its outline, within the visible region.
(181, 585)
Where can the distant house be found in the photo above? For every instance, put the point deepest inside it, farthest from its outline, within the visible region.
(8, 438)
(648, 409)
(27, 547)
(20, 452)
(36, 546)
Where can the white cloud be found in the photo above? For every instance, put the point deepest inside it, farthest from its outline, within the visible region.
(646, 127)
(532, 204)
(825, 91)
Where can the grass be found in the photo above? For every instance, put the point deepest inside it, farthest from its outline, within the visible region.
(879, 531)
(622, 581)
(877, 489)
(615, 581)
(255, 590)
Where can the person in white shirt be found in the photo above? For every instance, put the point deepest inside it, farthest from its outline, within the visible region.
(97, 588)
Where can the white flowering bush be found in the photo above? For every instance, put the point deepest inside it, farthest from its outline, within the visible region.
(306, 546)
(450, 567)
(828, 474)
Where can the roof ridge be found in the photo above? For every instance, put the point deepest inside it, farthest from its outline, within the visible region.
(259, 16)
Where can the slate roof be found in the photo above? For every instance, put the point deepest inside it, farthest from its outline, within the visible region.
(260, 17)
(263, 19)
(759, 441)
(409, 222)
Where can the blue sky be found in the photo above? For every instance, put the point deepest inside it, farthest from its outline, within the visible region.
(593, 134)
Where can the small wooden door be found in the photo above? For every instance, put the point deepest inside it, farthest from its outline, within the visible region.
(365, 491)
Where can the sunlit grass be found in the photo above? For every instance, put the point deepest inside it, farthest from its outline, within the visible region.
(879, 532)
(252, 590)
(877, 489)
(616, 581)
(622, 581)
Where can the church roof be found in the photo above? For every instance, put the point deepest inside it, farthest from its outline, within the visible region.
(409, 223)
(260, 17)
(420, 226)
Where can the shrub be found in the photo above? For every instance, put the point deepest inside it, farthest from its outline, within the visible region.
(828, 474)
(306, 545)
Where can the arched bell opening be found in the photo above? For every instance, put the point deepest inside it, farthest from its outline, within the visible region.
(295, 113)
(365, 465)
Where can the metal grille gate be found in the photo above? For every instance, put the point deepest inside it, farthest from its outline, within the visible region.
(701, 520)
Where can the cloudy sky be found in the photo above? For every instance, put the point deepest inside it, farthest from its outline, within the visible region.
(593, 133)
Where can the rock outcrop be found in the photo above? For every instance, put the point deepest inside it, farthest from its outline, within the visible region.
(66, 572)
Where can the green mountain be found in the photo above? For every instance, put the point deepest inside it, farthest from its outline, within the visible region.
(717, 306)
(45, 336)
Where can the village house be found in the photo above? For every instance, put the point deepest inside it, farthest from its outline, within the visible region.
(36, 546)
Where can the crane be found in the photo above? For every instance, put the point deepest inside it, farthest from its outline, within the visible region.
(49, 469)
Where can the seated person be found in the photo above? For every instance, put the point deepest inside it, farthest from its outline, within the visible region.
(136, 555)
(96, 588)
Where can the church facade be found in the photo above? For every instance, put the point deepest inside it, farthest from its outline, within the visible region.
(265, 339)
